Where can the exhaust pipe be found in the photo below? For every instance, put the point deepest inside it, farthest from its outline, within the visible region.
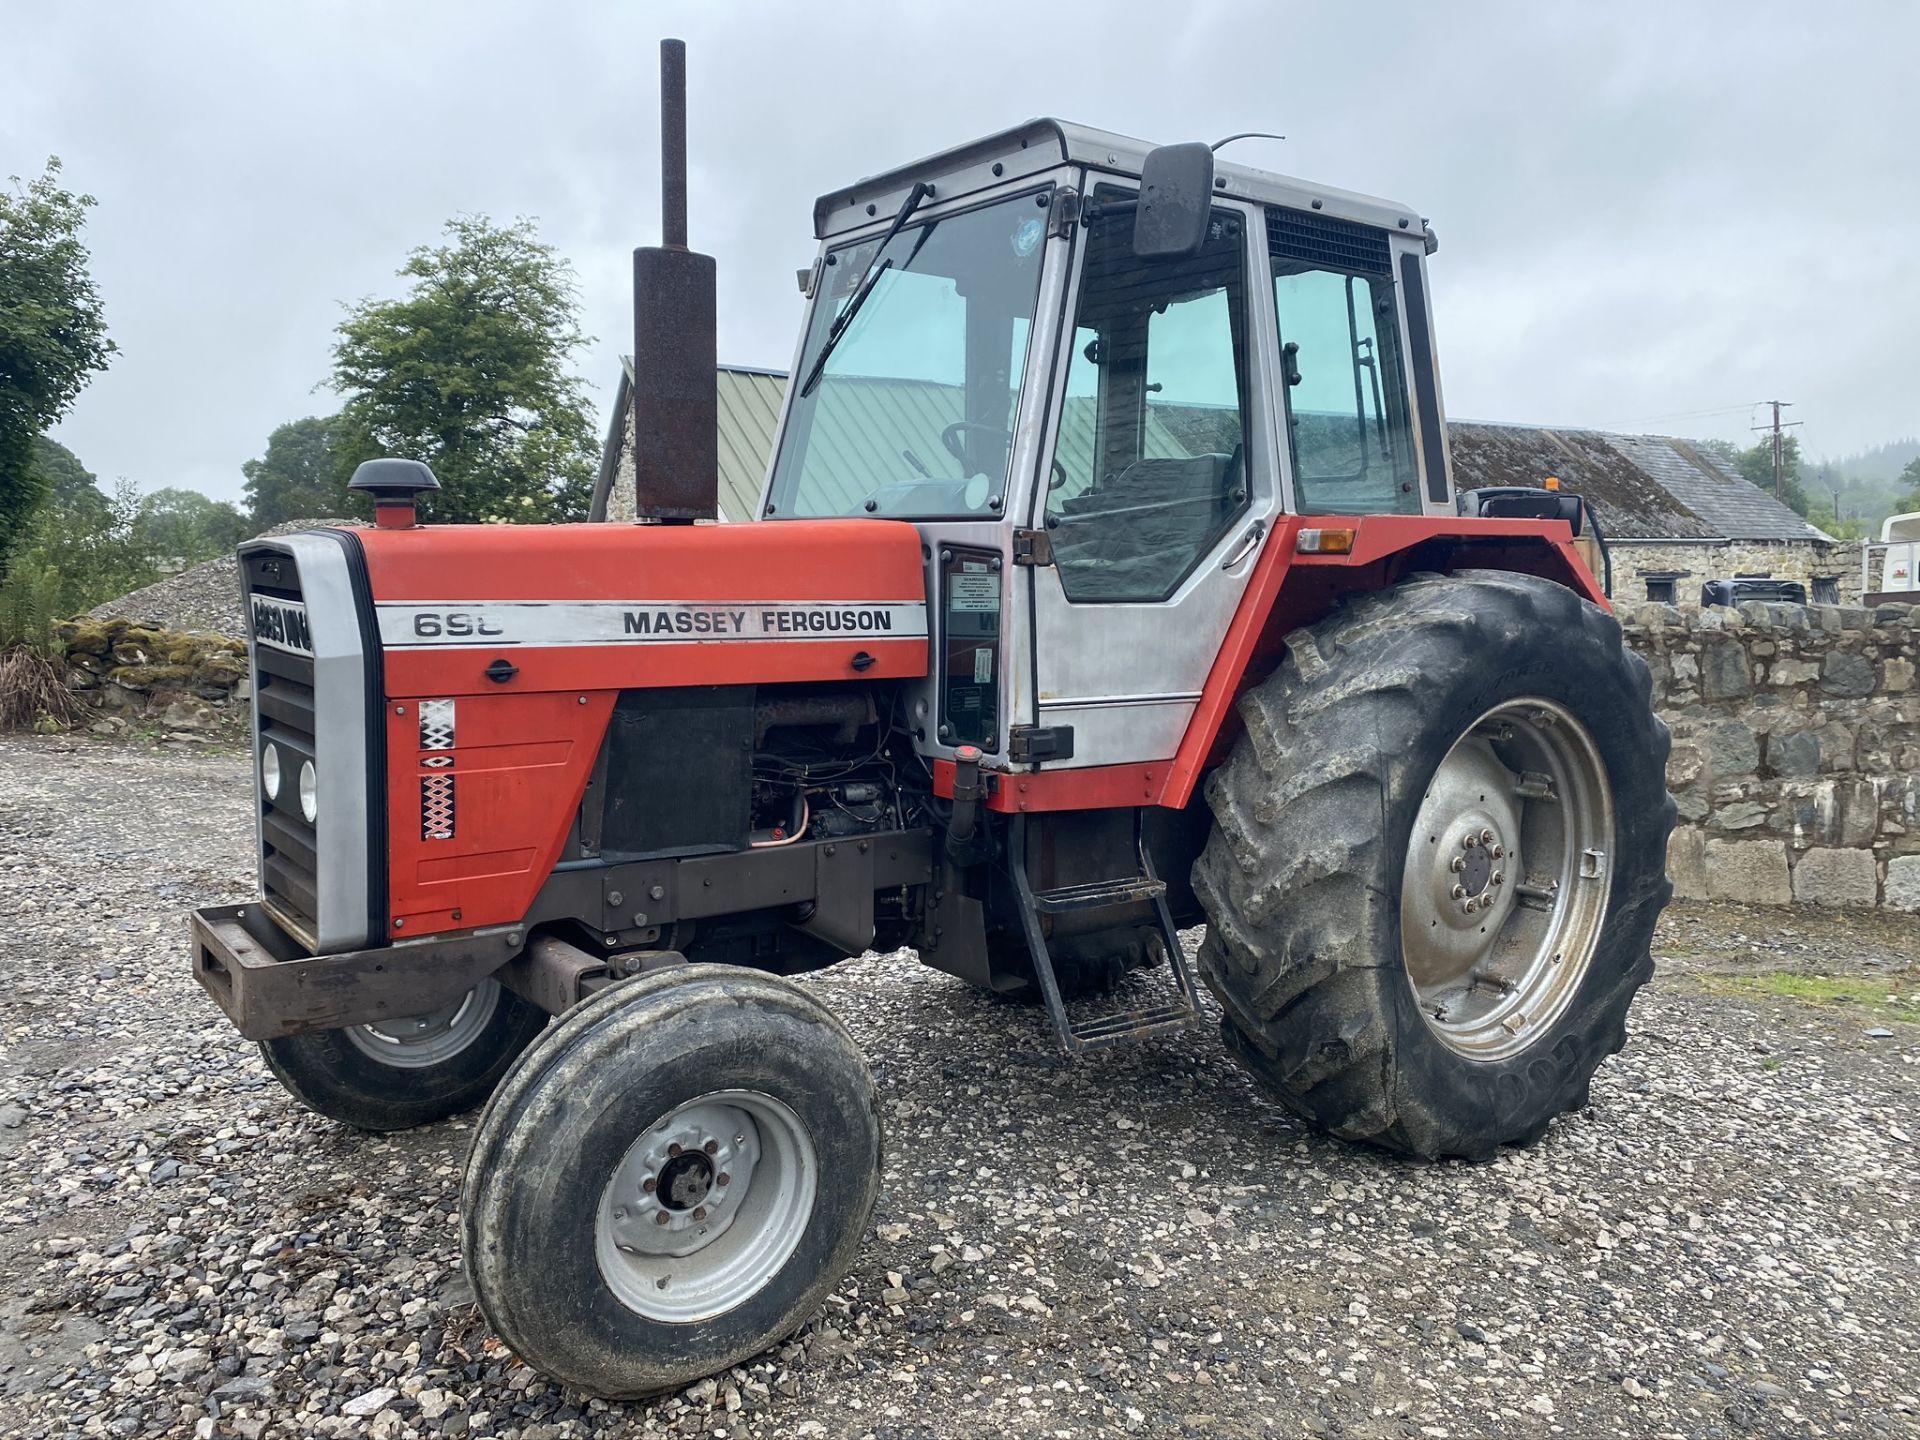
(676, 403)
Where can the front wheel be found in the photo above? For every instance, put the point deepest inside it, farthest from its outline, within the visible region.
(671, 1181)
(1438, 854)
(396, 1074)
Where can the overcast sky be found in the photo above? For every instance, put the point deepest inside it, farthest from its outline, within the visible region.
(1646, 211)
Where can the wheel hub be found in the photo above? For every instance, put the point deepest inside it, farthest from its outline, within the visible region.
(1499, 912)
(416, 1041)
(679, 1187)
(706, 1206)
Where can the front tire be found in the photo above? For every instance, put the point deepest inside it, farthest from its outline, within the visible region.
(396, 1074)
(1375, 974)
(671, 1181)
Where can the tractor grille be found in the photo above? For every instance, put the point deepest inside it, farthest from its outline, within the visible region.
(283, 709)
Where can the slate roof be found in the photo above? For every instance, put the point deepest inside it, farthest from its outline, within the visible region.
(1645, 487)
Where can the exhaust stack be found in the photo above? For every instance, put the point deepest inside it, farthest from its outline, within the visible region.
(676, 406)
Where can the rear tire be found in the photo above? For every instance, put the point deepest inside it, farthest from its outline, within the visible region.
(672, 1180)
(1359, 752)
(397, 1074)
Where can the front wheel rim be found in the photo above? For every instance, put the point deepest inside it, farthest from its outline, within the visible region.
(1503, 894)
(707, 1207)
(417, 1041)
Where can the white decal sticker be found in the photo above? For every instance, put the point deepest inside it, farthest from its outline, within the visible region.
(973, 592)
(495, 624)
(983, 666)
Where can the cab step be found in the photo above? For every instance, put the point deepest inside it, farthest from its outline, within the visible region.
(1111, 1029)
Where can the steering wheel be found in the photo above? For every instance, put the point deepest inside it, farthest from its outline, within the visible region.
(950, 438)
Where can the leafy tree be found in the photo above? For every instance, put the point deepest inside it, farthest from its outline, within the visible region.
(52, 333)
(66, 478)
(1756, 463)
(299, 478)
(470, 372)
(77, 553)
(178, 528)
(1910, 482)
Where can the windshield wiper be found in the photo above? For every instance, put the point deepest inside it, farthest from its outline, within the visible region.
(868, 279)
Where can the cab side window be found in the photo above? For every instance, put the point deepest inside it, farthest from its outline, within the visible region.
(1344, 385)
(1149, 467)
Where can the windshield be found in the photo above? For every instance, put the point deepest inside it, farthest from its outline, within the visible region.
(913, 411)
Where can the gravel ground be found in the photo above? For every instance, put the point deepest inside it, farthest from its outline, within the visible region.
(1723, 1244)
(205, 597)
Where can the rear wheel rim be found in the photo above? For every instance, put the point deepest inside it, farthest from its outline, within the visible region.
(707, 1207)
(1503, 895)
(417, 1041)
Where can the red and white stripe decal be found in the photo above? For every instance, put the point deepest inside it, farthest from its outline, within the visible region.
(549, 624)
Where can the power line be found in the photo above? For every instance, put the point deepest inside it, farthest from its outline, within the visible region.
(1682, 415)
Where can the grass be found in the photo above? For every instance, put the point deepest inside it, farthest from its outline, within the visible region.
(1891, 997)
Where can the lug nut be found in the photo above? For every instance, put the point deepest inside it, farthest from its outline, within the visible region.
(662, 1218)
(648, 1185)
(1486, 837)
(1457, 864)
(1498, 851)
(1470, 841)
(1499, 878)
(722, 1178)
(673, 1151)
(712, 1147)
(700, 1212)
(1459, 892)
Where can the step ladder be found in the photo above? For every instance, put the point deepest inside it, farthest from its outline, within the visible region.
(1111, 1029)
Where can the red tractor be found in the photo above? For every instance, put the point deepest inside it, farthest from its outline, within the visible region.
(1109, 579)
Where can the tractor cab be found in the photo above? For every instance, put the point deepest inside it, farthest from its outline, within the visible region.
(1099, 378)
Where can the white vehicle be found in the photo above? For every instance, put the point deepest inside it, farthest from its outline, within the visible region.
(1900, 560)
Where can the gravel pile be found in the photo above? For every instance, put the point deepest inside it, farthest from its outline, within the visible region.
(207, 597)
(1135, 1244)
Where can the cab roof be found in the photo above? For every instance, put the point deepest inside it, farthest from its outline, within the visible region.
(1040, 145)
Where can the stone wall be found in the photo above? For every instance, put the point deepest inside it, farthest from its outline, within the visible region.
(143, 677)
(1796, 750)
(1695, 563)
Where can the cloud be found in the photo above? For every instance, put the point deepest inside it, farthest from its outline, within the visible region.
(1644, 210)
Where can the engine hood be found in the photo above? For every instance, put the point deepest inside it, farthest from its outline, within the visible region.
(605, 607)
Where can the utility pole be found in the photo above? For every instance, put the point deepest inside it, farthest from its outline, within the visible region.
(1779, 446)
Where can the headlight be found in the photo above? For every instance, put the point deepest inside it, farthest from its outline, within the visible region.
(309, 792)
(270, 771)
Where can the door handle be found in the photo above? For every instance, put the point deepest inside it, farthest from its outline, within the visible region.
(1248, 543)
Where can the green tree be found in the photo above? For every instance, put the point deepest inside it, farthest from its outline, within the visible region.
(470, 371)
(1756, 463)
(53, 335)
(65, 477)
(1910, 483)
(179, 528)
(299, 478)
(81, 551)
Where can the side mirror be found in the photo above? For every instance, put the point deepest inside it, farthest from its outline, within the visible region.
(1176, 201)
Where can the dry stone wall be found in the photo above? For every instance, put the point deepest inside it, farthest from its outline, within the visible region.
(145, 677)
(1796, 750)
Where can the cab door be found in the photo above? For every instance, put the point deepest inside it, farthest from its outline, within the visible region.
(1162, 485)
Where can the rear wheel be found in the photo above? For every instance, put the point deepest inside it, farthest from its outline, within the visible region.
(395, 1074)
(1438, 855)
(672, 1180)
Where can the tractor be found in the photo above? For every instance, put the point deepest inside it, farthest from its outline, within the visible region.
(1109, 579)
